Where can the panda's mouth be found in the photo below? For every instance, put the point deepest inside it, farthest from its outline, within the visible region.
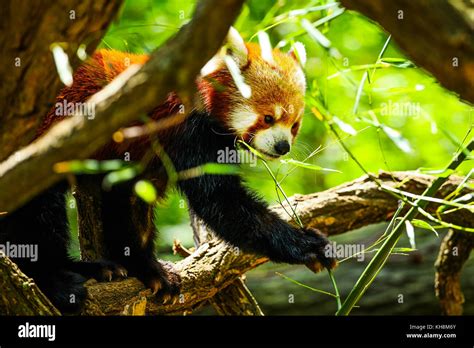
(267, 155)
(270, 155)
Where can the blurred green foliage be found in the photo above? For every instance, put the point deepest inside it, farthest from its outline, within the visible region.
(433, 123)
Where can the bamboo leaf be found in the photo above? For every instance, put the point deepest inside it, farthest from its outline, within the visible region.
(305, 286)
(398, 62)
(307, 165)
(89, 166)
(345, 127)
(378, 261)
(209, 168)
(423, 224)
(146, 191)
(397, 138)
(119, 176)
(410, 233)
(220, 168)
(315, 34)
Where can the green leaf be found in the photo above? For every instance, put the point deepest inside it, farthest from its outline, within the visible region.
(84, 167)
(403, 250)
(410, 233)
(315, 34)
(252, 150)
(90, 166)
(394, 250)
(465, 198)
(305, 286)
(146, 191)
(398, 62)
(436, 172)
(397, 138)
(118, 176)
(209, 168)
(345, 127)
(423, 224)
(307, 165)
(220, 168)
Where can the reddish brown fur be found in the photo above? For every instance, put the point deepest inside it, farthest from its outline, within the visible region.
(90, 78)
(271, 84)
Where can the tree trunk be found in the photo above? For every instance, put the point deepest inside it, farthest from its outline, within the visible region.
(30, 82)
(438, 35)
(173, 67)
(453, 253)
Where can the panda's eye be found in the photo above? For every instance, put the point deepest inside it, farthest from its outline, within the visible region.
(269, 119)
(295, 125)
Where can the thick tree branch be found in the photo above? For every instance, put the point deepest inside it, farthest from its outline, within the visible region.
(436, 34)
(173, 67)
(236, 299)
(453, 253)
(20, 295)
(215, 265)
(29, 79)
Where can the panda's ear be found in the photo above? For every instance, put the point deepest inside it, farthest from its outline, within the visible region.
(235, 47)
(298, 53)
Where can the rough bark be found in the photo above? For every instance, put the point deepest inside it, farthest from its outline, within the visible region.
(29, 79)
(214, 265)
(453, 253)
(436, 34)
(236, 299)
(20, 295)
(89, 218)
(172, 67)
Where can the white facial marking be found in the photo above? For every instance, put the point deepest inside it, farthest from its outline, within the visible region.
(265, 140)
(242, 118)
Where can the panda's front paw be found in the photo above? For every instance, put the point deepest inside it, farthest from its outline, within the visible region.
(109, 270)
(318, 255)
(101, 270)
(162, 278)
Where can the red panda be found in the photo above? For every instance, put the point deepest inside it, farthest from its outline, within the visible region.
(267, 116)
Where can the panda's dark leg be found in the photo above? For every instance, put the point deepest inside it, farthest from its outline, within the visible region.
(88, 198)
(42, 224)
(129, 234)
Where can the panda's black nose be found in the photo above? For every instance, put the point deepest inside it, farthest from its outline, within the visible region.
(282, 147)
